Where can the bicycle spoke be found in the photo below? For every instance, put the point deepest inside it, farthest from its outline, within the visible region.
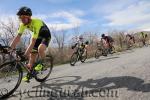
(73, 59)
(9, 76)
(47, 65)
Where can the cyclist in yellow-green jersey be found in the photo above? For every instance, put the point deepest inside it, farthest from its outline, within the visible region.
(41, 36)
(143, 37)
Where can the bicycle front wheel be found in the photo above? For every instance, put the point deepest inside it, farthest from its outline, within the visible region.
(47, 64)
(113, 50)
(74, 59)
(10, 78)
(83, 57)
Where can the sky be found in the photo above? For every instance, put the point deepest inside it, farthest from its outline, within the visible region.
(87, 15)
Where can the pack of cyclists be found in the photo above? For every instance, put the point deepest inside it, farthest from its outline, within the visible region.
(41, 37)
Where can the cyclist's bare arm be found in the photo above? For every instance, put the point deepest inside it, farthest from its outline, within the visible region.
(15, 41)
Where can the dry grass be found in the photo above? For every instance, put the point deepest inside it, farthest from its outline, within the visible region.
(63, 56)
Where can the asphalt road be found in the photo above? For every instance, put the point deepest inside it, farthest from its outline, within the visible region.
(121, 76)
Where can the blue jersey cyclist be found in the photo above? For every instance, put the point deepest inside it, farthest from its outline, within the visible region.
(41, 36)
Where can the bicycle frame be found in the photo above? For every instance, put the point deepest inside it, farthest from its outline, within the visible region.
(79, 52)
(17, 58)
(18, 61)
(23, 65)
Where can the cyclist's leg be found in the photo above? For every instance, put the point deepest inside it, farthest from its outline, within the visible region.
(41, 50)
(42, 47)
(133, 40)
(110, 47)
(46, 37)
(130, 42)
(34, 53)
(85, 50)
(104, 48)
(105, 44)
(32, 59)
(143, 41)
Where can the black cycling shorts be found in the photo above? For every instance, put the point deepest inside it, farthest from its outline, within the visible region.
(43, 38)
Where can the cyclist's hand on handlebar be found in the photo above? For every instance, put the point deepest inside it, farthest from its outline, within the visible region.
(10, 50)
(24, 58)
(6, 49)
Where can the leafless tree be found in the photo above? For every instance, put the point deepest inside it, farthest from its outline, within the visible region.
(59, 38)
(75, 33)
(8, 30)
(76, 30)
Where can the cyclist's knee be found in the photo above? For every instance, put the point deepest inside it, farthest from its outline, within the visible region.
(42, 48)
(34, 51)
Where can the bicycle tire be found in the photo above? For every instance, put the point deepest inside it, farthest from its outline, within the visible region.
(83, 58)
(20, 74)
(46, 66)
(74, 58)
(113, 49)
(98, 53)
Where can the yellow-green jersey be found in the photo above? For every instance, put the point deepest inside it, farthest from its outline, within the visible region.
(34, 26)
(143, 35)
(40, 31)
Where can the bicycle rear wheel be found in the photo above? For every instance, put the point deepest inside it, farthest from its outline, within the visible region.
(74, 59)
(10, 78)
(98, 53)
(47, 64)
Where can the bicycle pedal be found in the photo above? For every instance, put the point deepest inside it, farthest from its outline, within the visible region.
(34, 73)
